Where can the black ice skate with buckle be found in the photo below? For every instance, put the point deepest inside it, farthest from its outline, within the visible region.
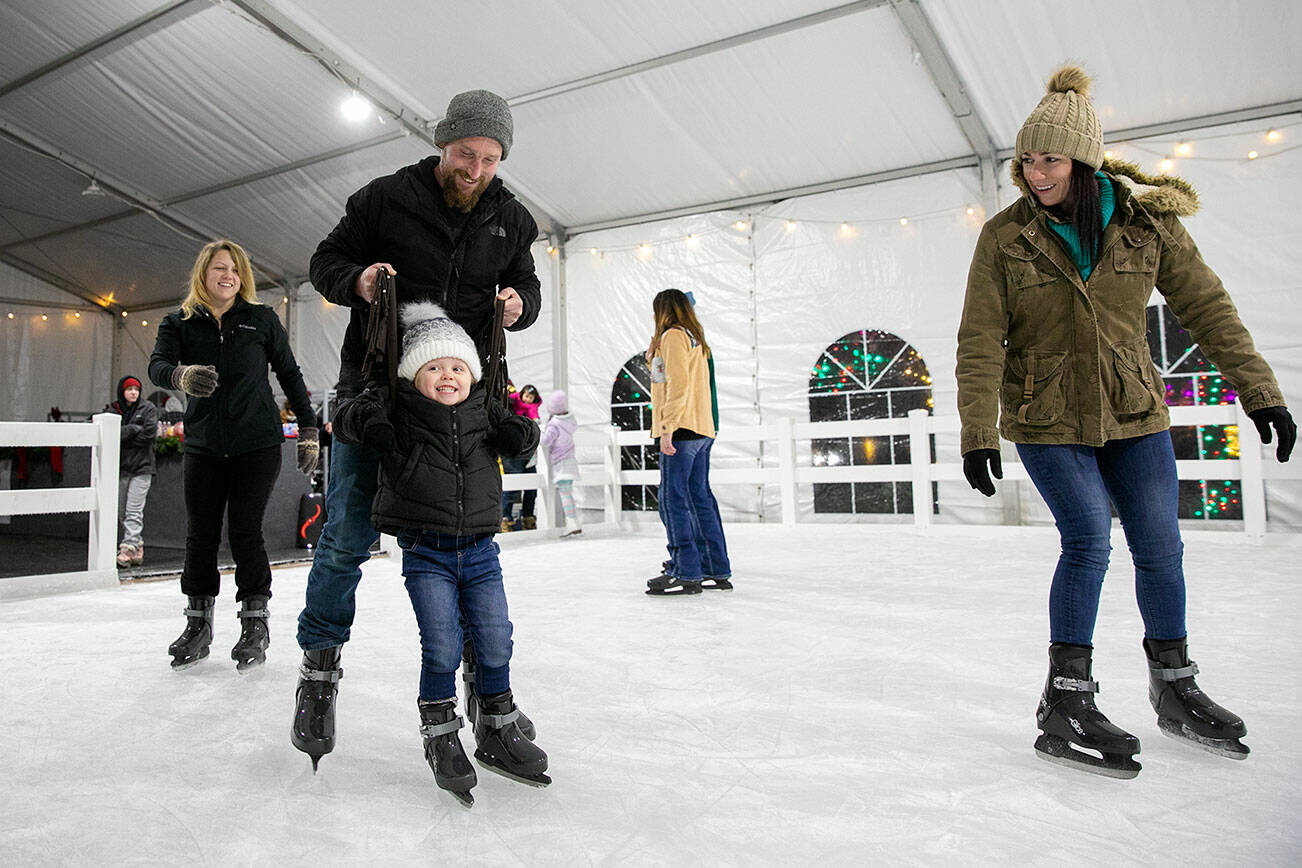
(472, 703)
(439, 724)
(1184, 712)
(502, 748)
(255, 636)
(192, 645)
(313, 731)
(1067, 716)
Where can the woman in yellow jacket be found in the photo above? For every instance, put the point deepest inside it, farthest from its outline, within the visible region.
(682, 420)
(1052, 355)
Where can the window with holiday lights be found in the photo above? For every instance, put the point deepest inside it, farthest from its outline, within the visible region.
(630, 410)
(1191, 380)
(867, 375)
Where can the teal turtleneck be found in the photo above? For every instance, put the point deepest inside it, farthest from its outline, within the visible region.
(1068, 233)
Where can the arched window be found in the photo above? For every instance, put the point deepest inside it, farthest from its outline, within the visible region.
(630, 410)
(1192, 380)
(867, 374)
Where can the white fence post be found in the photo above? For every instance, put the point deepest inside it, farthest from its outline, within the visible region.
(920, 464)
(610, 457)
(1252, 486)
(787, 468)
(545, 500)
(104, 479)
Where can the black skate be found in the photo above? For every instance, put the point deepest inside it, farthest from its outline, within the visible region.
(192, 645)
(670, 586)
(502, 748)
(468, 681)
(251, 648)
(439, 723)
(313, 731)
(1067, 715)
(1184, 712)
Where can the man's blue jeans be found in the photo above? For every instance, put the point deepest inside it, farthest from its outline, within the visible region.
(1079, 483)
(450, 577)
(344, 546)
(690, 513)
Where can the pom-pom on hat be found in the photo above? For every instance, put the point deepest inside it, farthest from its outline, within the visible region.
(1064, 122)
(429, 334)
(476, 113)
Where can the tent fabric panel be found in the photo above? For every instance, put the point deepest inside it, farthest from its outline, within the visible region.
(38, 33)
(39, 195)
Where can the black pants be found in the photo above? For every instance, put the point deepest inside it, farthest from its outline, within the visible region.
(240, 486)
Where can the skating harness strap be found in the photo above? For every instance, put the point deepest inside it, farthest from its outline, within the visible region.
(1173, 674)
(497, 721)
(1080, 686)
(319, 674)
(254, 613)
(430, 730)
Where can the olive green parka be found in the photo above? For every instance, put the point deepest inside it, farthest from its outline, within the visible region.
(1044, 357)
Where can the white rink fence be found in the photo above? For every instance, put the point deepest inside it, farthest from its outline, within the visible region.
(100, 500)
(785, 467)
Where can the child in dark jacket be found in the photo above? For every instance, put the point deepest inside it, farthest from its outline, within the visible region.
(136, 466)
(439, 493)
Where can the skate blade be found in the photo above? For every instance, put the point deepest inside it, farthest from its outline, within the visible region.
(246, 665)
(537, 780)
(717, 585)
(179, 664)
(464, 797)
(677, 591)
(1059, 752)
(1230, 748)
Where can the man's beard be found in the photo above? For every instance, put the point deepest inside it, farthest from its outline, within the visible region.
(458, 199)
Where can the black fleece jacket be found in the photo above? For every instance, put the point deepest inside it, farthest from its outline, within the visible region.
(401, 219)
(241, 415)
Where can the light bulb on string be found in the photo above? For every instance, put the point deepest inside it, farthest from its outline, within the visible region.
(741, 225)
(1184, 149)
(144, 322)
(1273, 135)
(44, 317)
(356, 108)
(904, 221)
(1252, 155)
(1166, 165)
(791, 226)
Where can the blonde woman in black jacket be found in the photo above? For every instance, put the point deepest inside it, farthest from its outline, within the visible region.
(217, 349)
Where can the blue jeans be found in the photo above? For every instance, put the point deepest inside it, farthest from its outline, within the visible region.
(1137, 476)
(344, 546)
(452, 577)
(690, 513)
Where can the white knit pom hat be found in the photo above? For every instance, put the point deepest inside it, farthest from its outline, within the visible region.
(429, 334)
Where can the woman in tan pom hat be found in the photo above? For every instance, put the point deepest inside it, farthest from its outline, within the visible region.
(1053, 356)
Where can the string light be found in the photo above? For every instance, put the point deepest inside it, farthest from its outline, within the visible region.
(846, 229)
(1184, 149)
(77, 314)
(1166, 165)
(1273, 135)
(44, 317)
(904, 221)
(356, 108)
(791, 226)
(284, 299)
(1252, 155)
(11, 315)
(144, 322)
(970, 210)
(592, 250)
(741, 225)
(124, 314)
(1107, 155)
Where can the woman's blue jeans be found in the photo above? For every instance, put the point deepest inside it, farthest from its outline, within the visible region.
(690, 513)
(1079, 484)
(450, 577)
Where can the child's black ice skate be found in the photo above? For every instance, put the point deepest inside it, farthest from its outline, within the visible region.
(251, 648)
(502, 748)
(439, 723)
(1184, 712)
(313, 731)
(192, 645)
(1067, 716)
(468, 682)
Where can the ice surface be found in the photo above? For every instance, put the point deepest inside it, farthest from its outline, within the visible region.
(865, 696)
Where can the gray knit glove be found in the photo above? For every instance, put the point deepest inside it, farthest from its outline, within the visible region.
(308, 450)
(197, 380)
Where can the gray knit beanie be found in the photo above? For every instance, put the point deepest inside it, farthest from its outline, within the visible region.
(476, 113)
(429, 334)
(1064, 122)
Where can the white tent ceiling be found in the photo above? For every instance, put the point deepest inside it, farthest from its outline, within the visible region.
(207, 118)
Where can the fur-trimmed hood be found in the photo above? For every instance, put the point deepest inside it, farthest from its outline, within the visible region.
(1158, 194)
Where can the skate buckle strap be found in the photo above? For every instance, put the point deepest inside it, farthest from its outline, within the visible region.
(497, 721)
(1166, 674)
(319, 674)
(196, 613)
(1077, 684)
(430, 730)
(254, 613)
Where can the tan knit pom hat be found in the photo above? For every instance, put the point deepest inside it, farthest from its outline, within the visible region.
(1064, 122)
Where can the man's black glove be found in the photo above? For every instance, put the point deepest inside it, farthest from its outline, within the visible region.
(977, 467)
(1285, 427)
(363, 419)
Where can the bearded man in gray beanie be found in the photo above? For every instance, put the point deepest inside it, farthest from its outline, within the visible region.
(453, 235)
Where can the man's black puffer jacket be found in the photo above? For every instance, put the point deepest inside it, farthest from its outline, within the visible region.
(442, 473)
(400, 219)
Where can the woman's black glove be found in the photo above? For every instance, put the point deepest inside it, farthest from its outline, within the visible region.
(1285, 427)
(978, 475)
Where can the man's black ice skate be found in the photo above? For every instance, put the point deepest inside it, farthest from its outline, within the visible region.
(1067, 716)
(251, 648)
(192, 645)
(502, 748)
(313, 731)
(468, 682)
(439, 723)
(1183, 711)
(669, 586)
